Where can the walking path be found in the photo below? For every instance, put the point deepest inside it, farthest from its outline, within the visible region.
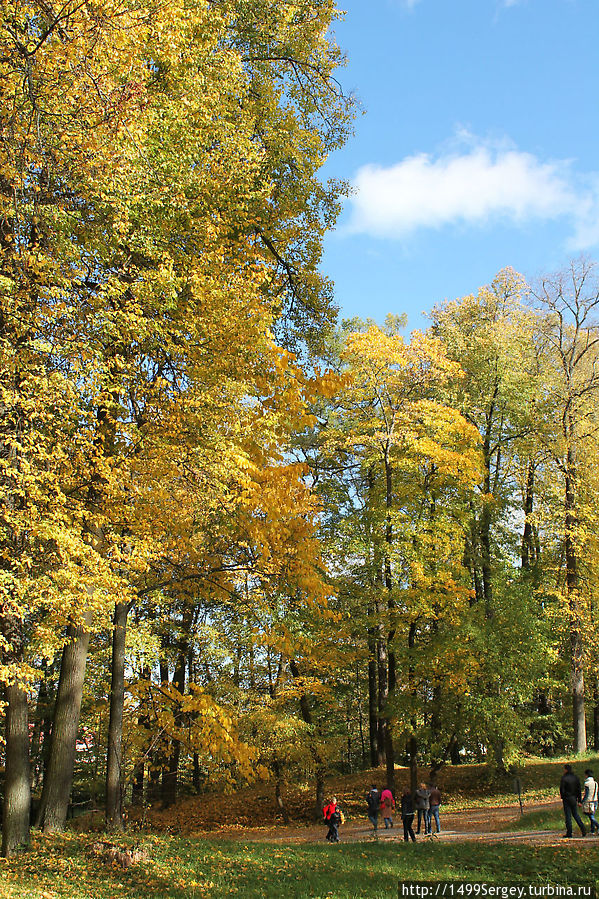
(482, 825)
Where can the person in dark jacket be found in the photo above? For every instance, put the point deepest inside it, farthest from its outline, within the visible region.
(407, 816)
(373, 801)
(569, 790)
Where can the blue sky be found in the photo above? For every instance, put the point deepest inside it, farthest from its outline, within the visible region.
(476, 150)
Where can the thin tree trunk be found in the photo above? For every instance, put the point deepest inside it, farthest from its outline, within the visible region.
(391, 663)
(114, 763)
(59, 776)
(372, 698)
(17, 782)
(596, 714)
(170, 777)
(383, 693)
(363, 755)
(279, 802)
(413, 756)
(528, 542)
(319, 762)
(143, 721)
(576, 642)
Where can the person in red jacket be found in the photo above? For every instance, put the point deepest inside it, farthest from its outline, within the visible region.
(387, 807)
(332, 817)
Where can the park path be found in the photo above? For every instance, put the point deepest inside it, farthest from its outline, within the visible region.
(482, 825)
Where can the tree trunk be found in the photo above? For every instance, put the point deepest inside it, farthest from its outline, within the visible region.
(170, 775)
(319, 762)
(363, 756)
(59, 776)
(372, 698)
(454, 753)
(383, 693)
(143, 721)
(528, 553)
(114, 763)
(391, 662)
(596, 711)
(413, 756)
(576, 642)
(17, 782)
(279, 802)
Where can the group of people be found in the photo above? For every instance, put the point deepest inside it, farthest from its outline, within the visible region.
(424, 802)
(572, 796)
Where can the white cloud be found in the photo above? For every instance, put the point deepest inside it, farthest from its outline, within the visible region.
(484, 183)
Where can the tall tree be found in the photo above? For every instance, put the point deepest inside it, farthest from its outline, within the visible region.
(568, 426)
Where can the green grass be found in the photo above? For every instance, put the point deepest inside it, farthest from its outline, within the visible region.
(189, 869)
(547, 819)
(544, 819)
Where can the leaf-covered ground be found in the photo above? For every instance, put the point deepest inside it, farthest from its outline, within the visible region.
(464, 788)
(178, 868)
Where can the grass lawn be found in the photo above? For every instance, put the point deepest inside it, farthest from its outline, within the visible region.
(179, 868)
(548, 819)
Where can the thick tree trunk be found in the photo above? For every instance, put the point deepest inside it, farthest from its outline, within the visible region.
(114, 763)
(59, 776)
(17, 782)
(454, 753)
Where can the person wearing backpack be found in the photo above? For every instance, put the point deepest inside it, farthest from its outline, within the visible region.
(373, 801)
(590, 800)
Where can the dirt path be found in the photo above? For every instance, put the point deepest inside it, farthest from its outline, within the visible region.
(480, 825)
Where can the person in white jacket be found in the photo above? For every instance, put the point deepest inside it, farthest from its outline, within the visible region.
(590, 799)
